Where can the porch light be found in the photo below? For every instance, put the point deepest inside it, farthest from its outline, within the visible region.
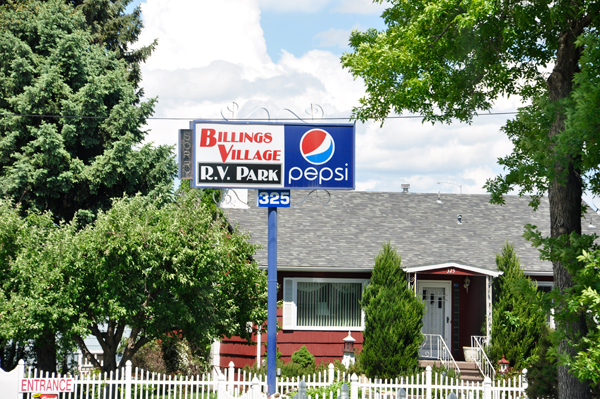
(467, 283)
(503, 365)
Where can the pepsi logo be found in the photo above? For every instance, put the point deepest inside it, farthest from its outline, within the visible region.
(317, 146)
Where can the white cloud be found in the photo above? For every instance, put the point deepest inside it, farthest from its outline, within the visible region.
(196, 33)
(333, 37)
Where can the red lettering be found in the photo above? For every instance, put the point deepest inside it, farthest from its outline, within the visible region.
(207, 138)
(239, 155)
(276, 155)
(24, 384)
(268, 155)
(62, 384)
(258, 138)
(225, 153)
(248, 137)
(268, 138)
(257, 156)
(69, 385)
(247, 155)
(225, 140)
(42, 385)
(220, 137)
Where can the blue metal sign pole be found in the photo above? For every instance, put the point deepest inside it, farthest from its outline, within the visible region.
(272, 302)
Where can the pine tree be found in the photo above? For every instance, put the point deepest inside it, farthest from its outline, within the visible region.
(393, 319)
(518, 319)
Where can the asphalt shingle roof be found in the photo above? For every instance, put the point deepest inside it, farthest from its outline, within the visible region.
(347, 233)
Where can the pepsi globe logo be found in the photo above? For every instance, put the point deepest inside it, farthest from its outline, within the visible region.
(317, 146)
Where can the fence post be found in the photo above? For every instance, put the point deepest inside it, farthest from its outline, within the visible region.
(345, 390)
(222, 387)
(331, 373)
(301, 390)
(128, 379)
(487, 388)
(231, 377)
(354, 385)
(428, 383)
(524, 383)
(255, 388)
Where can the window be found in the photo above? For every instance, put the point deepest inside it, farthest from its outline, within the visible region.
(332, 304)
(545, 287)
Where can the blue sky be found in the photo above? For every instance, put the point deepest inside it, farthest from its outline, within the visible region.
(286, 55)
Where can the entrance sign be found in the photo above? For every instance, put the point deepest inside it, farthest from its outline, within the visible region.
(46, 385)
(275, 198)
(273, 155)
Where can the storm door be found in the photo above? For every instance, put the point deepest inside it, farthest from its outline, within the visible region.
(437, 321)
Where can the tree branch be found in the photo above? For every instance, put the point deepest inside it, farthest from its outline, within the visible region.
(86, 352)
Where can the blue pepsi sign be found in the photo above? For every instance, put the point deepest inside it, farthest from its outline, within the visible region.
(273, 155)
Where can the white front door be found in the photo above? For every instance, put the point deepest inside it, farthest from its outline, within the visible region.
(436, 296)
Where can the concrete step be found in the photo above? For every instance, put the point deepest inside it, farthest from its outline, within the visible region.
(468, 370)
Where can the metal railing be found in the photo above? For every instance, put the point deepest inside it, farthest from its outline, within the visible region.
(483, 363)
(434, 347)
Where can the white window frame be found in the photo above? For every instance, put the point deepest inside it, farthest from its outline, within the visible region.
(550, 284)
(290, 315)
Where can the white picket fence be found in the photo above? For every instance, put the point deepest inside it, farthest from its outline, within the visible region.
(126, 383)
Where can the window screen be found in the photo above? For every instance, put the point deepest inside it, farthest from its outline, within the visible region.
(329, 304)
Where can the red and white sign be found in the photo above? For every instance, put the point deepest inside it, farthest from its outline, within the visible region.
(46, 385)
(222, 143)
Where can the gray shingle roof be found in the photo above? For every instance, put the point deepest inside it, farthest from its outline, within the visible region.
(347, 233)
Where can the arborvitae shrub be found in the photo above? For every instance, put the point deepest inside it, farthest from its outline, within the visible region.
(303, 358)
(393, 320)
(518, 318)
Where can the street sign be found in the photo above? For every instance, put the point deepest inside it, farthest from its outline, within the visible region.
(273, 198)
(273, 155)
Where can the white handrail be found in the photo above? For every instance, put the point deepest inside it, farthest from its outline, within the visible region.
(483, 363)
(434, 347)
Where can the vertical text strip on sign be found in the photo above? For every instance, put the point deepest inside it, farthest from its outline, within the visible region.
(273, 155)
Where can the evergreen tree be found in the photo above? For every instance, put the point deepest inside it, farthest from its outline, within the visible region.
(393, 319)
(87, 148)
(518, 319)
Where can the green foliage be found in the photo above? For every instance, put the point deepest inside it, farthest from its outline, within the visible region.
(303, 357)
(323, 392)
(518, 318)
(53, 64)
(542, 375)
(584, 301)
(151, 266)
(391, 343)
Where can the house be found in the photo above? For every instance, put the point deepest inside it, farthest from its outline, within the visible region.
(327, 243)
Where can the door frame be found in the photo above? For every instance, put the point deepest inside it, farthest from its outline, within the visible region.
(447, 284)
